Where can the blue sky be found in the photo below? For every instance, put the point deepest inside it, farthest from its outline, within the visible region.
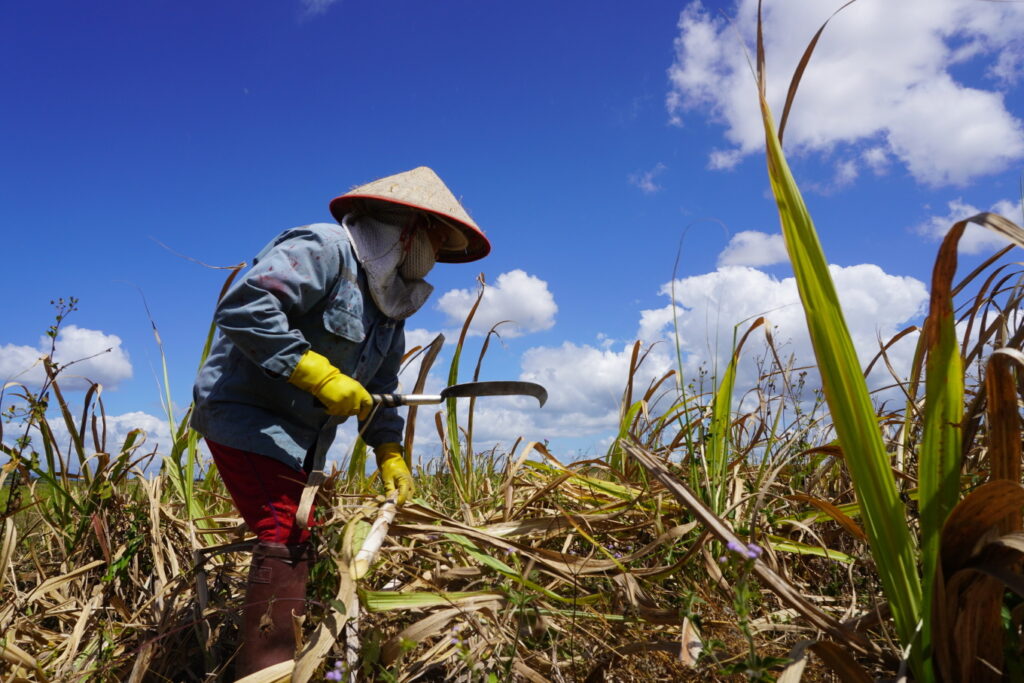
(586, 138)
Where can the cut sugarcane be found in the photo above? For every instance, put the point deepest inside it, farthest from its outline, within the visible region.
(371, 546)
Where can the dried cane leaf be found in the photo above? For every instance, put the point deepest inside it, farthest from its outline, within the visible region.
(782, 588)
(834, 512)
(7, 549)
(278, 673)
(834, 656)
(1004, 446)
(975, 519)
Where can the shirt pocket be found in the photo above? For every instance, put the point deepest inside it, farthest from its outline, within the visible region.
(343, 315)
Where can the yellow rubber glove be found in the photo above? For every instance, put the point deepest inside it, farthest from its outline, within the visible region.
(340, 393)
(393, 470)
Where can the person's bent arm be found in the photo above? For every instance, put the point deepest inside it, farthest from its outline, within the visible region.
(286, 280)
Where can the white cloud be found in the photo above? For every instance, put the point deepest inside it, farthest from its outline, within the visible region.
(578, 378)
(585, 386)
(876, 81)
(585, 383)
(846, 173)
(1014, 210)
(752, 248)
(515, 296)
(645, 180)
(99, 357)
(148, 448)
(877, 159)
(155, 437)
(1007, 68)
(724, 159)
(976, 239)
(974, 136)
(314, 7)
(709, 307)
(418, 337)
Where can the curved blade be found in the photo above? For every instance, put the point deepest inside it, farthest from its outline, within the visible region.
(471, 389)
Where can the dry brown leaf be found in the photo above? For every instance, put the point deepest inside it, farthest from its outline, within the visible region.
(691, 647)
(832, 511)
(1004, 448)
(834, 656)
(782, 588)
(53, 585)
(7, 549)
(15, 655)
(975, 520)
(278, 673)
(972, 603)
(70, 646)
(968, 610)
(529, 674)
(434, 625)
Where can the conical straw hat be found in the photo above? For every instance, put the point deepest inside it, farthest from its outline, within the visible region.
(420, 188)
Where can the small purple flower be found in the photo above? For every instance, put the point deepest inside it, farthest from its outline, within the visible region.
(751, 551)
(334, 675)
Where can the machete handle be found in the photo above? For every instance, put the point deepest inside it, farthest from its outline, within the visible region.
(396, 400)
(388, 400)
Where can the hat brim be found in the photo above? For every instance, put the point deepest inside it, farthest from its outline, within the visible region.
(477, 247)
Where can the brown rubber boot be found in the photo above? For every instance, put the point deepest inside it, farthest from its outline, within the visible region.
(277, 588)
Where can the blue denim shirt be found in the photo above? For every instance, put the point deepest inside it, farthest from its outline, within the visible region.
(305, 290)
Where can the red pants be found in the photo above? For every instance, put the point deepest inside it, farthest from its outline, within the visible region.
(265, 491)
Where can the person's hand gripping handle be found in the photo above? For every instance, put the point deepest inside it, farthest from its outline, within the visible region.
(393, 471)
(341, 394)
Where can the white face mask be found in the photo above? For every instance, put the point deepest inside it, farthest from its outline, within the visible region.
(420, 258)
(379, 248)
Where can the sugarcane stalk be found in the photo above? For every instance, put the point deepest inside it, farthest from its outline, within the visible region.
(371, 546)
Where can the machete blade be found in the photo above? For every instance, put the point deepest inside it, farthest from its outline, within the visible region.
(474, 389)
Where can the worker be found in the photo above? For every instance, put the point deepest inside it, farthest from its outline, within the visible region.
(306, 336)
